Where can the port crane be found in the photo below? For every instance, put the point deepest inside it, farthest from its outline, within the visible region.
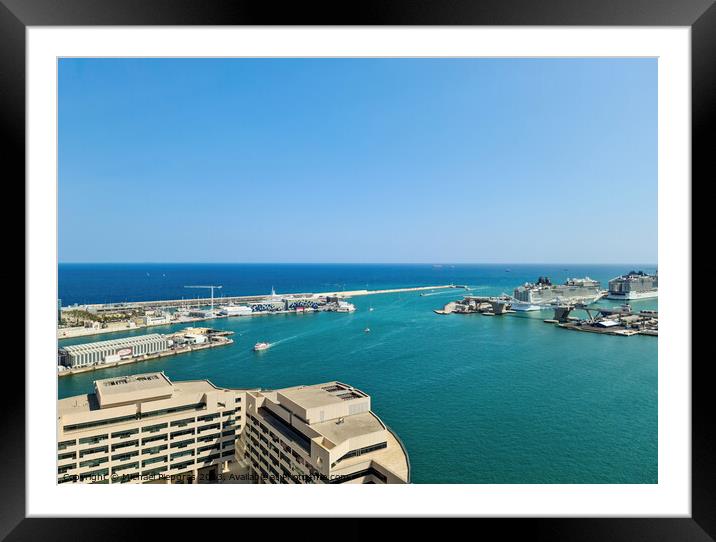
(211, 287)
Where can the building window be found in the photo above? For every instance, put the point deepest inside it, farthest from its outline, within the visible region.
(93, 440)
(99, 449)
(162, 459)
(182, 443)
(66, 444)
(127, 444)
(64, 468)
(94, 462)
(159, 438)
(125, 434)
(124, 457)
(154, 428)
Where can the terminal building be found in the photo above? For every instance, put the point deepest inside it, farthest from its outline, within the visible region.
(324, 433)
(82, 355)
(145, 428)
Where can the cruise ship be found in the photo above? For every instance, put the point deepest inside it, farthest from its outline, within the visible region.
(541, 294)
(634, 285)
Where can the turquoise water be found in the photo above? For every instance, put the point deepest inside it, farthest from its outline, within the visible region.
(475, 399)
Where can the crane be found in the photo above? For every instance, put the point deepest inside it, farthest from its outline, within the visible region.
(211, 287)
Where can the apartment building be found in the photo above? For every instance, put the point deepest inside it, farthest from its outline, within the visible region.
(145, 428)
(324, 433)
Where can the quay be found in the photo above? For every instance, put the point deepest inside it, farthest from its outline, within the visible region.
(178, 303)
(142, 314)
(487, 306)
(83, 358)
(623, 322)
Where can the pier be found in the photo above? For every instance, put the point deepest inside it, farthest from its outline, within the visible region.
(127, 316)
(235, 300)
(489, 306)
(213, 339)
(622, 321)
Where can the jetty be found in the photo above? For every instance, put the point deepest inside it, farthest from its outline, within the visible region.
(231, 300)
(132, 315)
(181, 342)
(471, 304)
(621, 321)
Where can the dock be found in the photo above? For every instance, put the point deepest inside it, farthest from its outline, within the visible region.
(237, 300)
(485, 305)
(622, 322)
(218, 338)
(130, 309)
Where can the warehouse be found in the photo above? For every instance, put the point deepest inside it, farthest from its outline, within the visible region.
(82, 355)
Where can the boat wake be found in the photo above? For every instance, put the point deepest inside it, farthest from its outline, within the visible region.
(284, 340)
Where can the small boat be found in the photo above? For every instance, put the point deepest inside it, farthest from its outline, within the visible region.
(370, 309)
(261, 346)
(367, 330)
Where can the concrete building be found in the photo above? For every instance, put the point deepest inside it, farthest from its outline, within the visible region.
(324, 433)
(155, 319)
(147, 429)
(82, 355)
(235, 310)
(144, 428)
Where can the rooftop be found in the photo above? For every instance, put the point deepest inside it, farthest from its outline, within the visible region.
(132, 389)
(321, 395)
(342, 429)
(114, 342)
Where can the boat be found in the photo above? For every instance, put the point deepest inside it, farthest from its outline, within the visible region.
(542, 294)
(367, 330)
(371, 309)
(634, 285)
(344, 306)
(258, 347)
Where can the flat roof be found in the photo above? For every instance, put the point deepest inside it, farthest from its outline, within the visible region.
(348, 427)
(134, 388)
(319, 395)
(113, 342)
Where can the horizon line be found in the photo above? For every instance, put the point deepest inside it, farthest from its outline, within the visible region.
(343, 263)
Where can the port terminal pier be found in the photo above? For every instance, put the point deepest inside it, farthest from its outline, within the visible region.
(92, 319)
(489, 306)
(229, 300)
(622, 321)
(82, 358)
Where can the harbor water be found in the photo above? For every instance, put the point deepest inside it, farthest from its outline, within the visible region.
(475, 399)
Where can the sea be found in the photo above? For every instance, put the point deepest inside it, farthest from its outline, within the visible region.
(475, 399)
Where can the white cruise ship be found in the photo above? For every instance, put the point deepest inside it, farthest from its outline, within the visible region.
(634, 285)
(542, 294)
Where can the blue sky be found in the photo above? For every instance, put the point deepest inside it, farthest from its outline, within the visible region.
(358, 160)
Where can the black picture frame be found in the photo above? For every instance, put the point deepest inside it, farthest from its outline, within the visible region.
(699, 15)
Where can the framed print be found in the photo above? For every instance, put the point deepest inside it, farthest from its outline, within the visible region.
(418, 248)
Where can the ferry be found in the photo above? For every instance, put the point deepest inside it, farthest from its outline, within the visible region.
(258, 347)
(344, 306)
